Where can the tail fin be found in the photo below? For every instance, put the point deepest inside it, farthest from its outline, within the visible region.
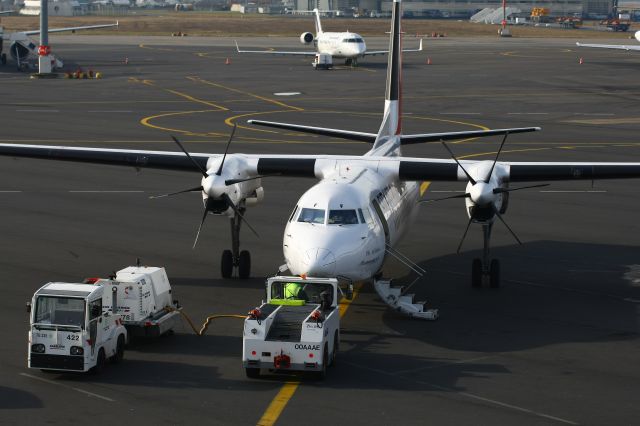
(318, 24)
(391, 123)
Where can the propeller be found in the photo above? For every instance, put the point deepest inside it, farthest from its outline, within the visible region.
(482, 194)
(209, 201)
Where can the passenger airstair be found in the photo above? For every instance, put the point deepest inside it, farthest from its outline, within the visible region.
(398, 298)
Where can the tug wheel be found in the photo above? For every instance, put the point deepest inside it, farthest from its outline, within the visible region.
(252, 373)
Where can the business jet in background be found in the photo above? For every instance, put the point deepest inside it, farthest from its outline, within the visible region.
(613, 46)
(22, 47)
(362, 205)
(345, 45)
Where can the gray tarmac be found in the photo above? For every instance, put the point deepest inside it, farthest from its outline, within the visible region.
(557, 344)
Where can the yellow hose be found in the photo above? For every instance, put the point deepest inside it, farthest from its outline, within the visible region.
(205, 325)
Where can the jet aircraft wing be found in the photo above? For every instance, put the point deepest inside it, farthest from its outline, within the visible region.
(58, 30)
(277, 52)
(609, 46)
(384, 52)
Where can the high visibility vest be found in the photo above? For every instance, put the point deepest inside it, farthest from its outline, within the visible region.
(291, 290)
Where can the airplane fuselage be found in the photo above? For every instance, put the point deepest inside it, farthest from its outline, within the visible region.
(344, 223)
(341, 45)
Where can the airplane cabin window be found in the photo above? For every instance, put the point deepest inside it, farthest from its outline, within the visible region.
(342, 217)
(311, 216)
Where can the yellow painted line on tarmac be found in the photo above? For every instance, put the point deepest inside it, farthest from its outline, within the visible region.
(192, 99)
(231, 89)
(229, 121)
(609, 121)
(423, 187)
(480, 154)
(142, 46)
(278, 404)
(147, 122)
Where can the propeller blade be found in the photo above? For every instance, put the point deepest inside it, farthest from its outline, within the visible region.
(237, 211)
(464, 235)
(497, 213)
(195, 163)
(497, 155)
(199, 188)
(502, 190)
(465, 195)
(234, 181)
(226, 149)
(472, 180)
(204, 216)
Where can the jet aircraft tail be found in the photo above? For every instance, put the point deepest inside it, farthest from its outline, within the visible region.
(316, 13)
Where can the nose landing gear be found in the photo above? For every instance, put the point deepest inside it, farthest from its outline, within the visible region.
(485, 272)
(235, 258)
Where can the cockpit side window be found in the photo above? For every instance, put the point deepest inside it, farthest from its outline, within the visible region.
(293, 213)
(311, 215)
(342, 217)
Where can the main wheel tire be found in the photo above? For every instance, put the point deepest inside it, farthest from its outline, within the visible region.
(100, 362)
(334, 352)
(244, 264)
(226, 264)
(494, 274)
(322, 374)
(476, 273)
(117, 357)
(252, 373)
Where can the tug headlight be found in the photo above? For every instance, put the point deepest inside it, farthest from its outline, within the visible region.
(77, 350)
(37, 348)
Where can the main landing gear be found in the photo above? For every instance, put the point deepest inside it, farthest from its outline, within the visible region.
(351, 62)
(235, 258)
(485, 272)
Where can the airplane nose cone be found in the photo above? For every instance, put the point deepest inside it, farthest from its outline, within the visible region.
(319, 262)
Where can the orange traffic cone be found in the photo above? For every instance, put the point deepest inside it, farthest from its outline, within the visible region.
(428, 61)
(581, 61)
(227, 61)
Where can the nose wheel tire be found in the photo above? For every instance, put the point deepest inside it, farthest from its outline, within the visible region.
(494, 274)
(476, 273)
(226, 264)
(244, 264)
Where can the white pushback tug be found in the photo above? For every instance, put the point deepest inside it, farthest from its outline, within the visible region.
(297, 329)
(74, 326)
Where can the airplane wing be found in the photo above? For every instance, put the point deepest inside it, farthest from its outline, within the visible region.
(384, 52)
(4, 12)
(314, 166)
(405, 139)
(277, 52)
(58, 30)
(609, 46)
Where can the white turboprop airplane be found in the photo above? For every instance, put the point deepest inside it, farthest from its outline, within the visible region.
(21, 46)
(362, 205)
(346, 45)
(613, 46)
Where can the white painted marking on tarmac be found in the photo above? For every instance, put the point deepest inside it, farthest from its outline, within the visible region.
(576, 191)
(445, 364)
(37, 110)
(460, 113)
(593, 114)
(111, 111)
(95, 395)
(106, 192)
(528, 113)
(466, 394)
(287, 93)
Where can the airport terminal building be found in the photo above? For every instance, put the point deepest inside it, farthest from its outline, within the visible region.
(463, 8)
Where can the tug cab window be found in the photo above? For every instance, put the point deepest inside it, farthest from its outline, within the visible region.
(343, 217)
(311, 216)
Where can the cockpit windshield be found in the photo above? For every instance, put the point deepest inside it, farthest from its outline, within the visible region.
(343, 217)
(311, 215)
(60, 311)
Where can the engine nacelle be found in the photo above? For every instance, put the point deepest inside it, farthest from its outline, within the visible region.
(306, 38)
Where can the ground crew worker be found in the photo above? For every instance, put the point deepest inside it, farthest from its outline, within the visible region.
(294, 291)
